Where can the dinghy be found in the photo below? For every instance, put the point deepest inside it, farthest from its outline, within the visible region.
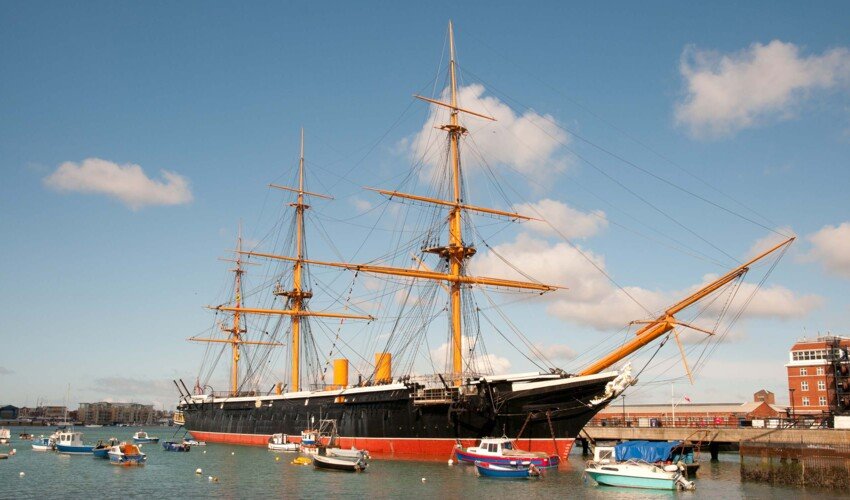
(486, 469)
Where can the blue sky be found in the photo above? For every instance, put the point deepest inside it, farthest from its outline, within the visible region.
(753, 98)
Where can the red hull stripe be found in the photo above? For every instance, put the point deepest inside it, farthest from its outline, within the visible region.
(411, 447)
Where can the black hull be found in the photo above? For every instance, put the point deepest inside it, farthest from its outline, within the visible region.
(392, 413)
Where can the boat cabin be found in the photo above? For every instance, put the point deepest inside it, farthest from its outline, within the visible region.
(604, 455)
(70, 438)
(492, 446)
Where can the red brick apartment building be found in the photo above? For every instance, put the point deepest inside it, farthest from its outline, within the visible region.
(813, 367)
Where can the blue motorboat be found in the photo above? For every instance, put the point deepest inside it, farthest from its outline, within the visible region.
(520, 471)
(502, 451)
(101, 449)
(71, 443)
(174, 446)
(142, 437)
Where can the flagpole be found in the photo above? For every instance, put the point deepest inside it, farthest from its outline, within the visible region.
(673, 403)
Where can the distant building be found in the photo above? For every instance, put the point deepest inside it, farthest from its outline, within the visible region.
(106, 413)
(692, 415)
(765, 396)
(53, 412)
(818, 378)
(8, 412)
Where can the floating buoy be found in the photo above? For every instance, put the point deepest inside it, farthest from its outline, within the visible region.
(205, 451)
(233, 453)
(277, 459)
(22, 474)
(423, 479)
(13, 451)
(213, 479)
(199, 471)
(451, 462)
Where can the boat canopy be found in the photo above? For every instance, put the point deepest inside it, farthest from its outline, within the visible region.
(646, 451)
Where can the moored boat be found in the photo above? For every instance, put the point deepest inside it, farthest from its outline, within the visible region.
(192, 442)
(280, 442)
(342, 464)
(43, 444)
(126, 454)
(347, 454)
(633, 474)
(5, 435)
(142, 437)
(502, 451)
(71, 443)
(101, 449)
(24, 436)
(525, 471)
(174, 446)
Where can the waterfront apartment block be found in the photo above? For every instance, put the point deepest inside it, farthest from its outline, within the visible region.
(818, 378)
(106, 413)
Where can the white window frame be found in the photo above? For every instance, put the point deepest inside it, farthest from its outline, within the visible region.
(822, 401)
(805, 401)
(804, 371)
(804, 385)
(821, 385)
(820, 370)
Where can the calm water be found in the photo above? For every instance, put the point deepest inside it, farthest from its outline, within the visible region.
(248, 472)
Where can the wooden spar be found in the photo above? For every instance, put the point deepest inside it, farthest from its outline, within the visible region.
(308, 193)
(667, 321)
(397, 194)
(453, 107)
(456, 251)
(418, 273)
(300, 313)
(248, 342)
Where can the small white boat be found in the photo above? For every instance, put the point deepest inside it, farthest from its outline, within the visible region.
(280, 442)
(502, 451)
(5, 435)
(333, 463)
(633, 474)
(143, 437)
(192, 442)
(348, 454)
(43, 444)
(126, 454)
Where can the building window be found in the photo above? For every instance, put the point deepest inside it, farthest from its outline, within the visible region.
(804, 386)
(821, 385)
(805, 401)
(822, 400)
(820, 370)
(804, 371)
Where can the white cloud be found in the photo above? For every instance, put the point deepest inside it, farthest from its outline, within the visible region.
(361, 205)
(128, 183)
(593, 301)
(558, 352)
(563, 220)
(831, 248)
(127, 389)
(490, 363)
(529, 142)
(5, 371)
(729, 92)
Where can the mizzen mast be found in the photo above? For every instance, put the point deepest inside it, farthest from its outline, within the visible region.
(236, 330)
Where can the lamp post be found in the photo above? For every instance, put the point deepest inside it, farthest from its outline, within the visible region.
(624, 410)
(791, 392)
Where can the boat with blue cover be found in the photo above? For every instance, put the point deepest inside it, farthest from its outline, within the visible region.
(142, 437)
(638, 464)
(71, 443)
(503, 451)
(526, 471)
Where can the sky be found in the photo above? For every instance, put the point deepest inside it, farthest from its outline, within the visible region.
(136, 136)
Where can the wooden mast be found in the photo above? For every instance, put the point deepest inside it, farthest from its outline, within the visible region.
(667, 321)
(455, 252)
(236, 329)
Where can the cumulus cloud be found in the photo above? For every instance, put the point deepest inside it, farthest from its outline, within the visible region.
(557, 352)
(563, 220)
(128, 389)
(127, 183)
(489, 363)
(729, 92)
(529, 142)
(5, 371)
(593, 301)
(764, 244)
(831, 248)
(361, 205)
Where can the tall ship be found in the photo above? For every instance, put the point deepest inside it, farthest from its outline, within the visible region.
(391, 408)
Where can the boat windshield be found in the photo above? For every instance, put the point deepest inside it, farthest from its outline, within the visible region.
(507, 445)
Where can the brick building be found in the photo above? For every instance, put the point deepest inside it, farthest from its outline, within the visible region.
(105, 413)
(690, 415)
(813, 365)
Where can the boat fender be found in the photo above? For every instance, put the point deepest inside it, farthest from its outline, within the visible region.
(22, 474)
(671, 468)
(451, 462)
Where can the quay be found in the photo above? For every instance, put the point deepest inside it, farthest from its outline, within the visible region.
(715, 437)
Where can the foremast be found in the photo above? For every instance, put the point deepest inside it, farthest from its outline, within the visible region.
(299, 294)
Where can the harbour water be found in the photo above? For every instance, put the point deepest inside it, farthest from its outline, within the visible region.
(253, 472)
